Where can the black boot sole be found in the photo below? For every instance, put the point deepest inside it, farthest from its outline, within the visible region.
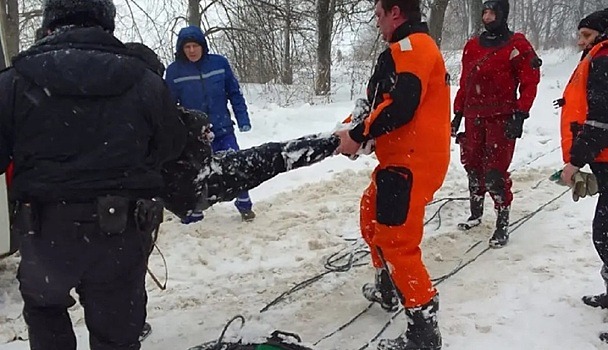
(497, 243)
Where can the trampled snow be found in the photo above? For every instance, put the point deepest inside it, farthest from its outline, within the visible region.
(525, 296)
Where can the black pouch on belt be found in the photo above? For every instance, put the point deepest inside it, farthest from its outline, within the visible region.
(148, 214)
(113, 214)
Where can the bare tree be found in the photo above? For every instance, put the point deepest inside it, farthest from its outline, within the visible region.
(287, 76)
(438, 9)
(9, 10)
(325, 15)
(475, 10)
(279, 41)
(194, 13)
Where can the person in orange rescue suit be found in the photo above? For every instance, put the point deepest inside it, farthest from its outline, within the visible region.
(409, 122)
(584, 130)
(498, 83)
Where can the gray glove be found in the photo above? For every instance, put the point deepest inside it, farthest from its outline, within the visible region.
(585, 184)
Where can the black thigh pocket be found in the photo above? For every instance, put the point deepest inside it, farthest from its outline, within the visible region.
(394, 186)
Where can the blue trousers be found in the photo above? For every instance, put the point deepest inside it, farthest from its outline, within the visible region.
(226, 143)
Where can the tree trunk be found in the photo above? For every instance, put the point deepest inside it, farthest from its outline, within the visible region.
(475, 10)
(324, 28)
(194, 13)
(438, 9)
(547, 42)
(287, 74)
(9, 10)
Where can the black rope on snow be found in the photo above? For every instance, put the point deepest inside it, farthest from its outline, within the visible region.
(332, 264)
(342, 327)
(437, 213)
(535, 159)
(218, 346)
(448, 199)
(296, 288)
(460, 266)
(384, 328)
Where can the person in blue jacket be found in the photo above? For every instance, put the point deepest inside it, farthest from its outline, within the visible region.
(205, 82)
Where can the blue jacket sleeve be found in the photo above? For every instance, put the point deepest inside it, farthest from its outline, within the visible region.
(170, 76)
(233, 91)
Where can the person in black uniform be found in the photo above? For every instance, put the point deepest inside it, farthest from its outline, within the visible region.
(88, 127)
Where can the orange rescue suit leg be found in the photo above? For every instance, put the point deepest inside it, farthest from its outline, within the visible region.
(399, 207)
(367, 221)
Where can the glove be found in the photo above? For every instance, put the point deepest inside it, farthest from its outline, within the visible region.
(245, 128)
(193, 216)
(456, 123)
(585, 184)
(560, 102)
(515, 125)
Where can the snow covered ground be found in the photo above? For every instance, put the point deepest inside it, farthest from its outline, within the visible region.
(526, 296)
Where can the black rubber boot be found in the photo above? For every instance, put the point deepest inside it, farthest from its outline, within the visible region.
(476, 205)
(500, 238)
(382, 291)
(422, 331)
(475, 201)
(599, 300)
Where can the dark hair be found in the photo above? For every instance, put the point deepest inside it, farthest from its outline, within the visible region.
(411, 8)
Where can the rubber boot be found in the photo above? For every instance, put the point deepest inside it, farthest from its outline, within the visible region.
(382, 291)
(500, 238)
(422, 330)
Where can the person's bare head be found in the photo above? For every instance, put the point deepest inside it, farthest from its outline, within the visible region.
(390, 14)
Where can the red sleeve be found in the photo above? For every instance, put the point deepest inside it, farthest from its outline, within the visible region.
(464, 73)
(527, 72)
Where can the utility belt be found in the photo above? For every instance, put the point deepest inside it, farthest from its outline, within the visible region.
(114, 214)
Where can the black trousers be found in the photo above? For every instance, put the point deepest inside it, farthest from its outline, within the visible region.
(108, 273)
(600, 220)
